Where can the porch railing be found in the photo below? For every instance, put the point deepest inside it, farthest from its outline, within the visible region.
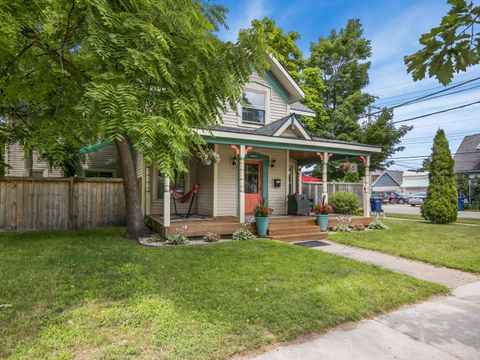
(313, 190)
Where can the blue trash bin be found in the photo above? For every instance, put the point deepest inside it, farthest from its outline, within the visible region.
(461, 203)
(376, 205)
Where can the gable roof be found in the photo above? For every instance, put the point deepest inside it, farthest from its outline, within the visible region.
(395, 175)
(300, 109)
(295, 93)
(467, 157)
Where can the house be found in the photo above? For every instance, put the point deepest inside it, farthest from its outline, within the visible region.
(100, 160)
(388, 180)
(467, 157)
(414, 182)
(262, 146)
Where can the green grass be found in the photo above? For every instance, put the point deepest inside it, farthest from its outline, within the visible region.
(418, 217)
(454, 246)
(94, 294)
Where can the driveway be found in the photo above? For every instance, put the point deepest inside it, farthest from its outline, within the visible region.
(407, 209)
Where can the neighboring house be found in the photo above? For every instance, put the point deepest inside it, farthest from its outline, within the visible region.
(98, 161)
(414, 182)
(388, 180)
(467, 157)
(262, 145)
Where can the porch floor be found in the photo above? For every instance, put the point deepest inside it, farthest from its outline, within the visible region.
(288, 228)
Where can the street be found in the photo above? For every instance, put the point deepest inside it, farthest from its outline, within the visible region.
(407, 209)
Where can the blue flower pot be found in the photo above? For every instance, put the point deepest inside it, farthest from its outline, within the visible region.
(262, 225)
(322, 221)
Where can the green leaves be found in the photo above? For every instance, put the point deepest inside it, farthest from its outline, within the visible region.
(449, 48)
(97, 69)
(441, 204)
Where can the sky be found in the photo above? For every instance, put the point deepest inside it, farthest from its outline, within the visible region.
(393, 26)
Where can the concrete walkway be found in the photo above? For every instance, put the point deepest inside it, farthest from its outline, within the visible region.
(449, 277)
(443, 328)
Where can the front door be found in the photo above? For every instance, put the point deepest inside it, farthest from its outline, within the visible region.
(253, 184)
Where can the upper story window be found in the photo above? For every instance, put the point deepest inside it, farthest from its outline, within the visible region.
(253, 107)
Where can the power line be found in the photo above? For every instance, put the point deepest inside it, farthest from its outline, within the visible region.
(439, 124)
(426, 96)
(437, 96)
(426, 156)
(436, 112)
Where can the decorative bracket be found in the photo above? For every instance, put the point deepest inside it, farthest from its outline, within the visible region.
(321, 155)
(236, 148)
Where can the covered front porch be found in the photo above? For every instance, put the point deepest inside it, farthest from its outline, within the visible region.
(254, 168)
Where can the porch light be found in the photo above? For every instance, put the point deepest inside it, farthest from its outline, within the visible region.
(272, 163)
(234, 161)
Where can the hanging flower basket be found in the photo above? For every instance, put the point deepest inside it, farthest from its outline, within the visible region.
(208, 156)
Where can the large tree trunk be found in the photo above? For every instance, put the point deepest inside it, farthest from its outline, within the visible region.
(28, 171)
(135, 225)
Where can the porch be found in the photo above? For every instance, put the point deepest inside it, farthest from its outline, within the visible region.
(289, 228)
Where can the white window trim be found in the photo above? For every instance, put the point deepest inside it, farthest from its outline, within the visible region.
(154, 182)
(259, 88)
(113, 171)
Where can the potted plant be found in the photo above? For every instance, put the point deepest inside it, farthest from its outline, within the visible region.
(262, 213)
(321, 211)
(208, 156)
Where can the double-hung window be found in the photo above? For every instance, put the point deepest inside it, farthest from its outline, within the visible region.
(253, 107)
(179, 183)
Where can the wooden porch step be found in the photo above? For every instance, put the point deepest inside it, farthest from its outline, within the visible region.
(274, 231)
(301, 236)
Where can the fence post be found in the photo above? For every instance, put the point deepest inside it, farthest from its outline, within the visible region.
(70, 202)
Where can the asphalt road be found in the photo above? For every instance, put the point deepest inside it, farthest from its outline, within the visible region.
(408, 209)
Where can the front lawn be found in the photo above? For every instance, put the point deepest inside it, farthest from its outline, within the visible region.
(474, 221)
(94, 294)
(454, 246)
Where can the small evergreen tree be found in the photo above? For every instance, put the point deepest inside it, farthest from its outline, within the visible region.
(440, 207)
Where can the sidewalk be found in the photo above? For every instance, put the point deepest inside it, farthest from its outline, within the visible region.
(443, 328)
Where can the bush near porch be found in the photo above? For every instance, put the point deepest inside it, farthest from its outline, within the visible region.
(94, 294)
(454, 246)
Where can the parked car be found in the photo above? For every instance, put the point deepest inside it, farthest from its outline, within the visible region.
(417, 198)
(397, 197)
(380, 195)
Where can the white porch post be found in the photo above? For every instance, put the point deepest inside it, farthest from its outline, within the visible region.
(324, 176)
(299, 181)
(366, 188)
(166, 201)
(241, 184)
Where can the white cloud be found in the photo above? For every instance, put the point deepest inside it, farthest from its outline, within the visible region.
(253, 9)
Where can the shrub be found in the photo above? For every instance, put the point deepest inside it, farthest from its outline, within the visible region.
(243, 234)
(440, 206)
(345, 203)
(211, 237)
(341, 227)
(377, 225)
(154, 238)
(176, 238)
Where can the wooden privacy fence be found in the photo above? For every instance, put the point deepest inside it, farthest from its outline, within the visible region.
(28, 204)
(313, 190)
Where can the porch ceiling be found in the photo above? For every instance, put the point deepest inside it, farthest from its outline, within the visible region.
(305, 158)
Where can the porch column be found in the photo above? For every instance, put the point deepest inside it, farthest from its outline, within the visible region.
(166, 201)
(366, 188)
(241, 184)
(324, 176)
(299, 181)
